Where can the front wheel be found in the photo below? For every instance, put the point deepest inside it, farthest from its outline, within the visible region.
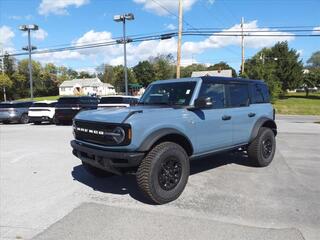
(24, 119)
(164, 172)
(262, 149)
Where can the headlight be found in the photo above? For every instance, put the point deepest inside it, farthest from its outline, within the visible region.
(118, 135)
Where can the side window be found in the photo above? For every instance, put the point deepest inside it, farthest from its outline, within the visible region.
(239, 95)
(216, 92)
(261, 93)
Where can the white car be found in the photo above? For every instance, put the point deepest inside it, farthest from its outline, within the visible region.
(118, 101)
(42, 111)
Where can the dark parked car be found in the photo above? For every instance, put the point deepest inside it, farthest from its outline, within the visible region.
(14, 112)
(68, 107)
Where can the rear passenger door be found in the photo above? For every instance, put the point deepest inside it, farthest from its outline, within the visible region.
(214, 125)
(243, 115)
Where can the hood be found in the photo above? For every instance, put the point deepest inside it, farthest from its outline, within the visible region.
(115, 115)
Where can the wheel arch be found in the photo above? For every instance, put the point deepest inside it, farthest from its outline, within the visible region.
(167, 134)
(263, 122)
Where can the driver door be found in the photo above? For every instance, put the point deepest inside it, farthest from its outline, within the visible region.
(214, 125)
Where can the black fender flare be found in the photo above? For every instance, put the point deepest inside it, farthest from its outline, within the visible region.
(263, 121)
(152, 138)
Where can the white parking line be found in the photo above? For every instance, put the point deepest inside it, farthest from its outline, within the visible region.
(17, 159)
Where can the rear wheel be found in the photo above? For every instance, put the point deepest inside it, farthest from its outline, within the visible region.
(262, 149)
(24, 119)
(97, 172)
(163, 173)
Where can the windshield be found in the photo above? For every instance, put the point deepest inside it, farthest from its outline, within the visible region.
(174, 93)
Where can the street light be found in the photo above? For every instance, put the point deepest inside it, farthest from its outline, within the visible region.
(123, 18)
(29, 48)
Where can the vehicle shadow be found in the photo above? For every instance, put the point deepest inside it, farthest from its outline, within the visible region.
(127, 184)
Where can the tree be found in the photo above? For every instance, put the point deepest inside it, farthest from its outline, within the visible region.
(118, 78)
(163, 67)
(9, 64)
(314, 60)
(5, 83)
(279, 66)
(289, 67)
(144, 73)
(223, 66)
(187, 70)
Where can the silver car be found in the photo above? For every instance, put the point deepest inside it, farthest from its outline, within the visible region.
(14, 112)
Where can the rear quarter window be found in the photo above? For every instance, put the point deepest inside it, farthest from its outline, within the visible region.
(239, 94)
(260, 94)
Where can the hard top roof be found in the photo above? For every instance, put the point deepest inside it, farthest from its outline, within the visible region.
(209, 78)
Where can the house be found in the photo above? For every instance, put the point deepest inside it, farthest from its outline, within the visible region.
(86, 86)
(214, 73)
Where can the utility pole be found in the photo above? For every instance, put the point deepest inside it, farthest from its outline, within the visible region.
(242, 46)
(123, 18)
(179, 39)
(29, 48)
(2, 69)
(30, 65)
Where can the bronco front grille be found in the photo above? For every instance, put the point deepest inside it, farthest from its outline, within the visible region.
(94, 132)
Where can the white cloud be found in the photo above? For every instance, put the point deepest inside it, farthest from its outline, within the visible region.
(57, 57)
(38, 35)
(316, 30)
(90, 70)
(17, 17)
(216, 41)
(170, 26)
(6, 36)
(300, 52)
(164, 7)
(58, 7)
(144, 50)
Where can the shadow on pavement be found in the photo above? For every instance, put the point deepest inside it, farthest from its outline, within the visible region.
(126, 184)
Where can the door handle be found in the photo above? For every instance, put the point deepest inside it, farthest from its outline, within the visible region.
(251, 114)
(225, 117)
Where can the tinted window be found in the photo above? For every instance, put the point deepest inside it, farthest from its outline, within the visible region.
(239, 95)
(216, 92)
(260, 93)
(7, 105)
(111, 100)
(69, 100)
(174, 93)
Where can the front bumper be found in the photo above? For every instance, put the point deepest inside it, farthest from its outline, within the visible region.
(111, 161)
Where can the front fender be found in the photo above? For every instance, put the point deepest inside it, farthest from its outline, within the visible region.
(152, 138)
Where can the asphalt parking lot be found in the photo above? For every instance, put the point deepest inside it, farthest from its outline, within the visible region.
(46, 194)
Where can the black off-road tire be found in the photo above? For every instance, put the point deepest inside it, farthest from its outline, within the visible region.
(151, 172)
(24, 119)
(97, 172)
(257, 148)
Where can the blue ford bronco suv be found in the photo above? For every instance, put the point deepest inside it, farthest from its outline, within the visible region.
(174, 122)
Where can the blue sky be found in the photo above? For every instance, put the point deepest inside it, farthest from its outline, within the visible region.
(85, 21)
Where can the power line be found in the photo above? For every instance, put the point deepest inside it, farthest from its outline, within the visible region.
(158, 37)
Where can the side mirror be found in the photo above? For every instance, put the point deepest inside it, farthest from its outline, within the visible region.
(203, 102)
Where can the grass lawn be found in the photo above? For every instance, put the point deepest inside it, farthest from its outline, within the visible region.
(41, 98)
(298, 104)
